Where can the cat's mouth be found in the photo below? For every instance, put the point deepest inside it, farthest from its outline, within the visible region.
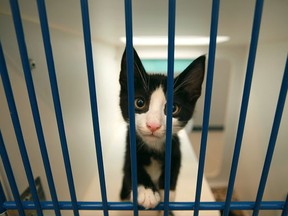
(150, 137)
(154, 140)
(155, 135)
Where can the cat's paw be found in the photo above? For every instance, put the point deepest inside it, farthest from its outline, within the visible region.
(147, 197)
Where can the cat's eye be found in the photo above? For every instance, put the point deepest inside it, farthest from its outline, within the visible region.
(139, 103)
(175, 109)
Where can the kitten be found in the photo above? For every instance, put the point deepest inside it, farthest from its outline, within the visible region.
(150, 120)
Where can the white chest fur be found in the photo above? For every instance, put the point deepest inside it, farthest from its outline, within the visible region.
(154, 170)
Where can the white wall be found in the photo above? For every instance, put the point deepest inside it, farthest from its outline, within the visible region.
(69, 56)
(266, 84)
(268, 72)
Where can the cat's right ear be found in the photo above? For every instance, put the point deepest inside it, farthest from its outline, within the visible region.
(139, 71)
(191, 79)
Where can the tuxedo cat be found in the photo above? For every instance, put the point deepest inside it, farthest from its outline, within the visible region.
(150, 120)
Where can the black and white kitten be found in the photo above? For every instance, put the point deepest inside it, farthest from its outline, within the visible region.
(150, 118)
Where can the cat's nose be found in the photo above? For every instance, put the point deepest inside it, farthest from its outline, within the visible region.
(153, 126)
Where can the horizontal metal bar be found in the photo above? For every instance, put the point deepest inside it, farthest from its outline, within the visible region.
(131, 95)
(176, 206)
(93, 100)
(285, 209)
(207, 103)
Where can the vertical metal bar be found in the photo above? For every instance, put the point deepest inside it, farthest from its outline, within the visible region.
(25, 64)
(207, 103)
(169, 106)
(285, 209)
(10, 175)
(35, 112)
(93, 100)
(131, 109)
(3, 152)
(56, 100)
(245, 100)
(2, 194)
(273, 138)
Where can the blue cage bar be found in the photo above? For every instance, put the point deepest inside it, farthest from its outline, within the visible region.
(56, 100)
(2, 193)
(4, 155)
(207, 102)
(285, 209)
(169, 96)
(105, 205)
(93, 101)
(11, 178)
(34, 105)
(131, 109)
(177, 206)
(272, 140)
(26, 68)
(245, 100)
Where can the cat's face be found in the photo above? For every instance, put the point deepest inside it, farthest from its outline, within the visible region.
(150, 99)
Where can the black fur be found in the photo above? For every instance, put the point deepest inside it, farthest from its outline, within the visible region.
(144, 155)
(187, 89)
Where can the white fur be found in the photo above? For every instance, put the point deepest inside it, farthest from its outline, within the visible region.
(147, 198)
(154, 170)
(155, 115)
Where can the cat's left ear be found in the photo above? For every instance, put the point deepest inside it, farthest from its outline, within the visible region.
(139, 70)
(191, 79)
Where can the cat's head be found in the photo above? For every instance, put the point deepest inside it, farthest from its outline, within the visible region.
(150, 99)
